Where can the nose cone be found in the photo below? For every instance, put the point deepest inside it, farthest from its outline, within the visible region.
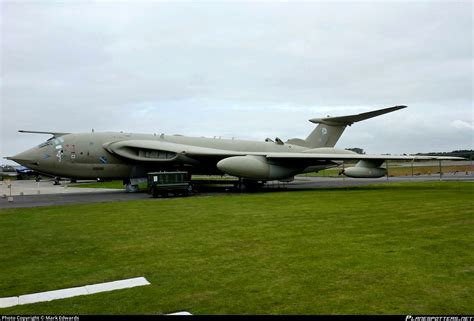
(26, 158)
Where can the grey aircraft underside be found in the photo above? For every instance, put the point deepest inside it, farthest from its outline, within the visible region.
(114, 155)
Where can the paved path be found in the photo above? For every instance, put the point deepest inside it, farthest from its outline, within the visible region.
(61, 195)
(31, 187)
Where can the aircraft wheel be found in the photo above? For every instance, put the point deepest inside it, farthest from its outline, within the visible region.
(252, 186)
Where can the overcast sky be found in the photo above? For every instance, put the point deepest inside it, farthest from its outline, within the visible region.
(239, 69)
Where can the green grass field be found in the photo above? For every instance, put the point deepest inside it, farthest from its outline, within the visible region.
(117, 184)
(382, 249)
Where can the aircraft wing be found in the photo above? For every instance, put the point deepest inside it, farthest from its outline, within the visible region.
(55, 134)
(326, 156)
(158, 151)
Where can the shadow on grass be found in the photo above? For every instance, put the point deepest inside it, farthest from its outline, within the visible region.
(404, 186)
(419, 186)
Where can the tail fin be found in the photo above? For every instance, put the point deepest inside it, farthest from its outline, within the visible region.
(330, 129)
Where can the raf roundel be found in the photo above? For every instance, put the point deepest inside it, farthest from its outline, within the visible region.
(324, 131)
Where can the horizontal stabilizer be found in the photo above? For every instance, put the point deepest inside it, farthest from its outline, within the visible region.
(349, 120)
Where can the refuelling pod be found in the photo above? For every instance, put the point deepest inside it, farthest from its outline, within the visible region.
(255, 168)
(366, 169)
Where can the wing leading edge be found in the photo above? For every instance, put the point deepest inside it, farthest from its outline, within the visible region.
(55, 134)
(318, 156)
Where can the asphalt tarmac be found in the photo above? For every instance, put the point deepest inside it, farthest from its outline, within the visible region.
(25, 193)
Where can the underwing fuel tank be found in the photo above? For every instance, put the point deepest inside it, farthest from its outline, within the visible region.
(365, 169)
(254, 168)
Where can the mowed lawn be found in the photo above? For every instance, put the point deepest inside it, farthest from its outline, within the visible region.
(382, 249)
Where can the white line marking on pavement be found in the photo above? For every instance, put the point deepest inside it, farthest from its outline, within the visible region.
(71, 292)
(180, 313)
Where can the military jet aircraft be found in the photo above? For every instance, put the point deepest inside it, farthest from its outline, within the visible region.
(118, 155)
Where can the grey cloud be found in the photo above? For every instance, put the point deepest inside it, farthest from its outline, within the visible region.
(249, 70)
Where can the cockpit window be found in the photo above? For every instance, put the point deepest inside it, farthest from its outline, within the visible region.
(46, 143)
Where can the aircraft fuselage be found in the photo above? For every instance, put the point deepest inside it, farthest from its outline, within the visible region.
(83, 156)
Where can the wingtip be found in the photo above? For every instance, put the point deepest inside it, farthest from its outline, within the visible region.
(400, 106)
(394, 108)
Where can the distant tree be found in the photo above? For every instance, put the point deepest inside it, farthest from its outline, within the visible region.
(356, 150)
(458, 153)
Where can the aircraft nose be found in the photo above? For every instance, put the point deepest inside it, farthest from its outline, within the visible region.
(26, 158)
